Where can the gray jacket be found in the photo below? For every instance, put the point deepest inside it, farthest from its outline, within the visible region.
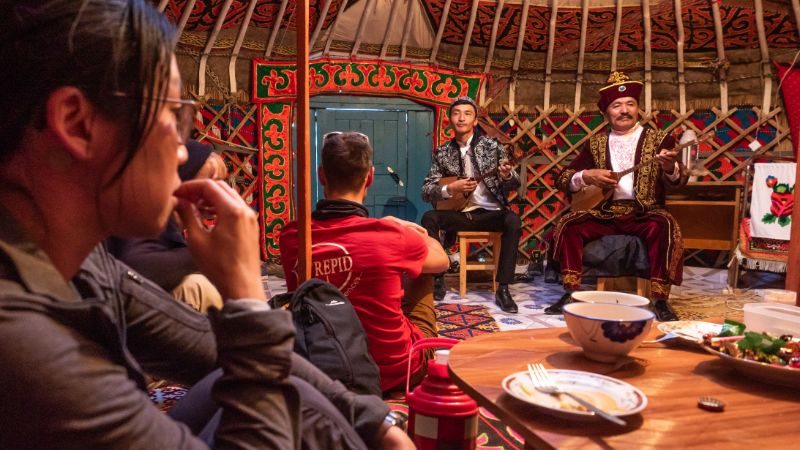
(446, 162)
(73, 358)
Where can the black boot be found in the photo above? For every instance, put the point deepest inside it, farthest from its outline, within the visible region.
(664, 313)
(557, 307)
(551, 272)
(503, 299)
(439, 288)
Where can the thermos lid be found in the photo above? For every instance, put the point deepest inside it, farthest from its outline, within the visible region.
(442, 356)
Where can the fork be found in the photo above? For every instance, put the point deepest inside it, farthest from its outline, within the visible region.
(665, 337)
(544, 383)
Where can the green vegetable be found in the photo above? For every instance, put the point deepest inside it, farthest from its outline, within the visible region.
(731, 328)
(760, 342)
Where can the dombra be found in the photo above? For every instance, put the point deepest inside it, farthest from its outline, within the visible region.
(591, 196)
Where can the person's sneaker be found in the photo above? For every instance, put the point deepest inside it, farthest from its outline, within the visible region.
(504, 300)
(557, 307)
(664, 313)
(439, 289)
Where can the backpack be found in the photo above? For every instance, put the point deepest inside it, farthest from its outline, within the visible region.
(329, 334)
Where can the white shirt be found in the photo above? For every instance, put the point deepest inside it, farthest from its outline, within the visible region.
(481, 197)
(622, 147)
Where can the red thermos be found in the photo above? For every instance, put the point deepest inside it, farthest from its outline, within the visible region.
(440, 415)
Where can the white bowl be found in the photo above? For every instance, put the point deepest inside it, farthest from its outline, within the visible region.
(617, 298)
(607, 332)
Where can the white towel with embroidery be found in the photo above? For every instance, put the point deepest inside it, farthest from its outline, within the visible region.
(773, 200)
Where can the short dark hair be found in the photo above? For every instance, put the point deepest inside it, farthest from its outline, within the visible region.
(103, 47)
(346, 160)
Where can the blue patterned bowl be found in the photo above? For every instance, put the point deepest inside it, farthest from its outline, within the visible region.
(607, 332)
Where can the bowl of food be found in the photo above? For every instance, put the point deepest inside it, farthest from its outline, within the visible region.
(607, 332)
(615, 298)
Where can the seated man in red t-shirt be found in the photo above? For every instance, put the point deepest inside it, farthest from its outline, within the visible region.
(367, 259)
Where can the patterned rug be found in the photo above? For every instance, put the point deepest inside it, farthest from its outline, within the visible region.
(462, 321)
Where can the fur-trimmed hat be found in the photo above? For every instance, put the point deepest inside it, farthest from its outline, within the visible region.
(619, 85)
(462, 101)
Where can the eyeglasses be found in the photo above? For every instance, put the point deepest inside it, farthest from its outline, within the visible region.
(363, 136)
(184, 116)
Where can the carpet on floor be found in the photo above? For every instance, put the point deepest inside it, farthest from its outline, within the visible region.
(463, 321)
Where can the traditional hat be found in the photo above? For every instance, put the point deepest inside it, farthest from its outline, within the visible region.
(619, 85)
(462, 101)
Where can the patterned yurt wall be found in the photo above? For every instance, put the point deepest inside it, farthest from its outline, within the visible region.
(545, 60)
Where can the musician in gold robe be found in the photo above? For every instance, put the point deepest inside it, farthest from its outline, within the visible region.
(635, 205)
(482, 175)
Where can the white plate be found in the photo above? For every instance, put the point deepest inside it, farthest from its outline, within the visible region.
(614, 396)
(690, 330)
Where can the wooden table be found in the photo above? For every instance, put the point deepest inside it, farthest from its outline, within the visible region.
(672, 376)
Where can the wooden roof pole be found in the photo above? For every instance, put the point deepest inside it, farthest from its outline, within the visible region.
(406, 31)
(362, 25)
(212, 39)
(440, 31)
(617, 31)
(468, 34)
(551, 41)
(723, 73)
(333, 28)
(493, 40)
(766, 72)
(512, 86)
(681, 64)
(303, 148)
(162, 5)
(581, 53)
(389, 26)
(523, 26)
(648, 59)
(238, 46)
(276, 26)
(320, 21)
(187, 11)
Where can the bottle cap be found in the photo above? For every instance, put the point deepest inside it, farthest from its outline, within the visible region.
(710, 404)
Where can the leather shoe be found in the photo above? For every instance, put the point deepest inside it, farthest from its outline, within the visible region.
(557, 307)
(503, 299)
(439, 289)
(664, 313)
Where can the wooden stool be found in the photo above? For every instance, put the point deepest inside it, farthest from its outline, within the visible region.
(477, 237)
(630, 284)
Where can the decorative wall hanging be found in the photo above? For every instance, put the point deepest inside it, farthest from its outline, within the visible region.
(275, 90)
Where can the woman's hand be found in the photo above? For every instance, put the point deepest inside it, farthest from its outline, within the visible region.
(228, 252)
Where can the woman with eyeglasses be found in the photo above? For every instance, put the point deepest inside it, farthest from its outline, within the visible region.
(91, 133)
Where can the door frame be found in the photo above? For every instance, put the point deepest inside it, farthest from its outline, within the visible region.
(419, 144)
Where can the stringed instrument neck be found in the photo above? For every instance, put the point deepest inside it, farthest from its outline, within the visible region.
(653, 160)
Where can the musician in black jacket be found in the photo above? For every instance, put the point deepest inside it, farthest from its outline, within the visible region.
(470, 156)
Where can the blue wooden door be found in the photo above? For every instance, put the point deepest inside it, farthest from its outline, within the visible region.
(401, 141)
